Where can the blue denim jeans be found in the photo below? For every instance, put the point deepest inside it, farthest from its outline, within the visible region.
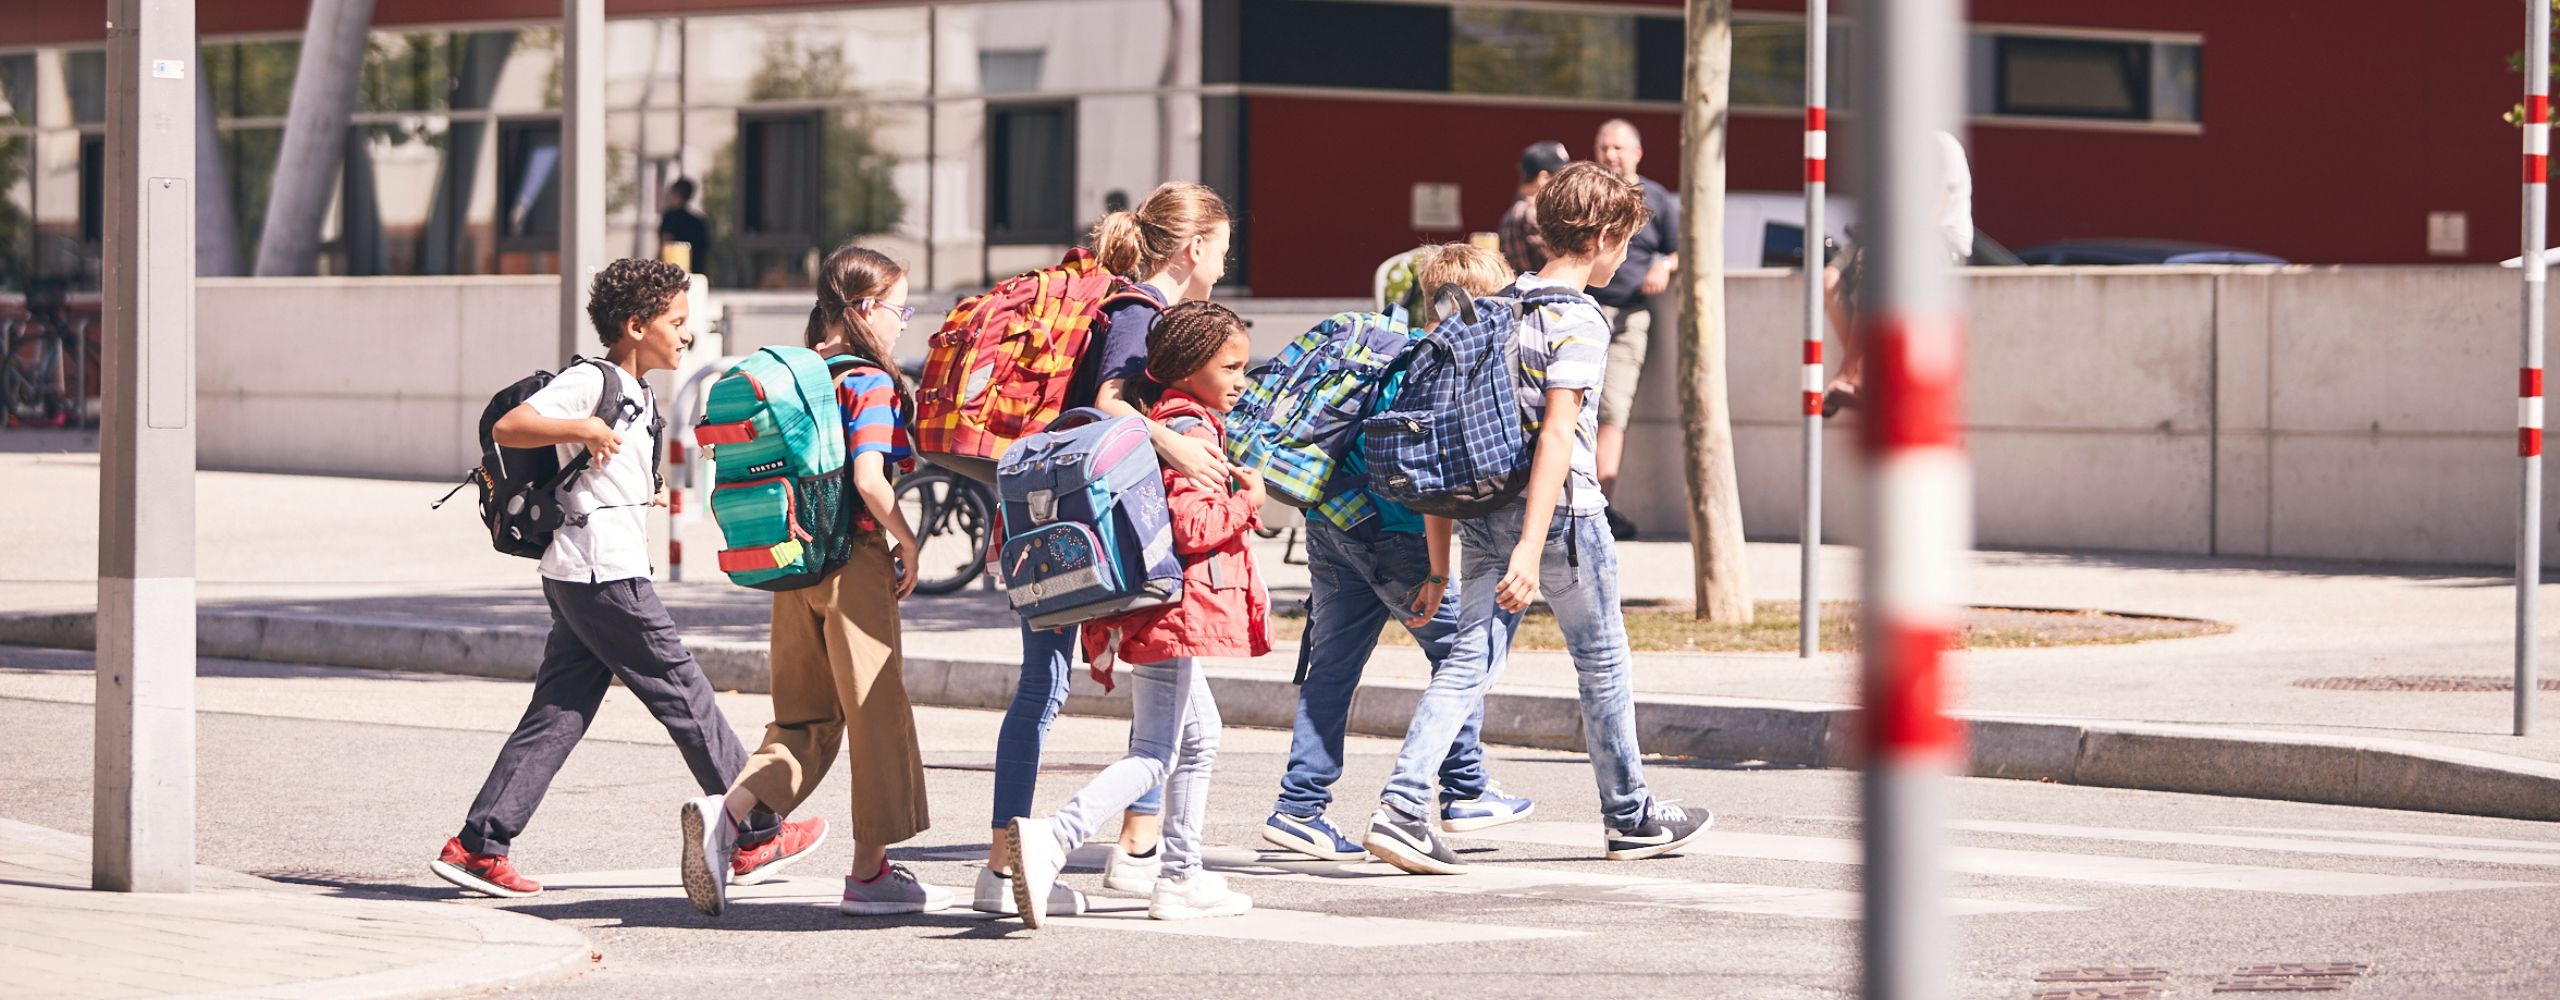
(1048, 660)
(1173, 740)
(1579, 575)
(1354, 588)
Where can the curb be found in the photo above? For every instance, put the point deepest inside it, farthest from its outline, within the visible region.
(2205, 760)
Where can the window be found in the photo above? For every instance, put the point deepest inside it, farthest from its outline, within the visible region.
(17, 90)
(2135, 80)
(529, 185)
(93, 188)
(1031, 173)
(1539, 53)
(1340, 43)
(778, 159)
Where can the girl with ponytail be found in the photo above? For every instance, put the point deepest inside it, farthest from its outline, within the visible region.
(1173, 244)
(836, 655)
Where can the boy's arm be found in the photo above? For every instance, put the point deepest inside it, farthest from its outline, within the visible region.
(526, 427)
(1426, 598)
(1547, 471)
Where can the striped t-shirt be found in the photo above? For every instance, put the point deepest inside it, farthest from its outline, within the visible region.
(870, 403)
(1565, 345)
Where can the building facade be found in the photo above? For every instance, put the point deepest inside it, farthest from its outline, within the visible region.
(976, 138)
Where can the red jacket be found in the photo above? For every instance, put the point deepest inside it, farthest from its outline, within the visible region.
(1224, 611)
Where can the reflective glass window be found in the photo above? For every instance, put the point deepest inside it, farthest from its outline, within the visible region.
(818, 55)
(251, 79)
(1541, 53)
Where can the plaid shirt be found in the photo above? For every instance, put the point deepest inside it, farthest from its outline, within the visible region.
(1519, 233)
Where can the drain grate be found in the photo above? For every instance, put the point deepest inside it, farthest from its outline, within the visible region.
(2458, 683)
(2293, 977)
(2100, 982)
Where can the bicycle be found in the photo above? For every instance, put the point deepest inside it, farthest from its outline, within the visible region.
(953, 517)
(50, 361)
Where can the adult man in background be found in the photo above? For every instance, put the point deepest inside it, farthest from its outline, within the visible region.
(679, 223)
(1521, 246)
(1636, 301)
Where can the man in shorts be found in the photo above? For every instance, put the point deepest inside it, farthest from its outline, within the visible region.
(1637, 302)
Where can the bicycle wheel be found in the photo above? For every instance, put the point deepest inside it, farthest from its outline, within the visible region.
(951, 517)
(33, 364)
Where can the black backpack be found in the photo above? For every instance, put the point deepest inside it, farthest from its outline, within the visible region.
(520, 487)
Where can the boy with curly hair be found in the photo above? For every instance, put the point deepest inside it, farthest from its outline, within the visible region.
(606, 621)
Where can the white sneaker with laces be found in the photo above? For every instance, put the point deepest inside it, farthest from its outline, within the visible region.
(894, 890)
(995, 895)
(1126, 872)
(1037, 860)
(1204, 894)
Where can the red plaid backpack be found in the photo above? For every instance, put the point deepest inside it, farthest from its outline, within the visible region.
(999, 368)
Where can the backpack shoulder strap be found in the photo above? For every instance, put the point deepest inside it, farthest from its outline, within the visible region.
(609, 396)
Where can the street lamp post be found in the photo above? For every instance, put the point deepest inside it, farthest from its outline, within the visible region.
(144, 767)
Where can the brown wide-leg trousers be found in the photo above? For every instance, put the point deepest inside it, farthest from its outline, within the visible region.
(836, 664)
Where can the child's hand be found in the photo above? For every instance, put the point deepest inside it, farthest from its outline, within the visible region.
(1519, 584)
(601, 441)
(1426, 600)
(1251, 478)
(905, 554)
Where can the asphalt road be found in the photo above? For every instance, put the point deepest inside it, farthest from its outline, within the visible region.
(352, 779)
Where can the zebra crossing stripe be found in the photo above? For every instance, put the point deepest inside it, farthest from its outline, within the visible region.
(2279, 844)
(2411, 838)
(2034, 864)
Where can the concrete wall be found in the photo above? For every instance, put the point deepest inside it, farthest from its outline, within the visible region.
(2361, 413)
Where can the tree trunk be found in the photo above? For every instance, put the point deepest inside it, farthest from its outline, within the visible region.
(315, 136)
(1706, 416)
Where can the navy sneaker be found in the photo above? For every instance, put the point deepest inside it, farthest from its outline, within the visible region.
(1666, 828)
(1408, 842)
(1316, 838)
(1484, 812)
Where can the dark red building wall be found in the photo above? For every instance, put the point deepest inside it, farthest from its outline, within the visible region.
(2330, 134)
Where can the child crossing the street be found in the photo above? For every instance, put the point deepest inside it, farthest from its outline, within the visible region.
(1553, 537)
(1196, 356)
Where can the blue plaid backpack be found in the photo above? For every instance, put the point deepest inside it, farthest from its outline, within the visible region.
(1453, 442)
(1301, 411)
(1087, 533)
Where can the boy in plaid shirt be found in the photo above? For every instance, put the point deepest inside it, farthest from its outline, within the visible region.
(1369, 560)
(1554, 537)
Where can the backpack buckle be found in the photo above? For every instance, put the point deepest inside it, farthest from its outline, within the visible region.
(1043, 504)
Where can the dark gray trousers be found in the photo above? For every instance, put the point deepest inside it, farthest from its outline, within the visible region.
(600, 631)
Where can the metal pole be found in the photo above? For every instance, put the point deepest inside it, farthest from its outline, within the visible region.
(1919, 502)
(144, 810)
(2537, 150)
(581, 164)
(1817, 39)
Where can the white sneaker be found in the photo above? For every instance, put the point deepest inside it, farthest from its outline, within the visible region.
(1126, 872)
(995, 895)
(894, 890)
(1204, 894)
(710, 843)
(1037, 860)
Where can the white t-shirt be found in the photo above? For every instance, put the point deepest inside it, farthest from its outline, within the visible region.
(613, 543)
(1955, 210)
(1565, 345)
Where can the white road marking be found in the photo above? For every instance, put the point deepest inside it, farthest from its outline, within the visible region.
(2413, 838)
(2281, 844)
(1110, 913)
(1563, 885)
(2030, 864)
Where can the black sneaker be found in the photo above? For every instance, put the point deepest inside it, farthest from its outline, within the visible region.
(1619, 527)
(1666, 828)
(1409, 842)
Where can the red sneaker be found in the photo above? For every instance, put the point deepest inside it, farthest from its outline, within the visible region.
(486, 874)
(766, 860)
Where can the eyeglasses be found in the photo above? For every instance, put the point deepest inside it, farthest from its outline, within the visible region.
(905, 313)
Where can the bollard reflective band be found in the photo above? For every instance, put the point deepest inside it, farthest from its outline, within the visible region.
(2529, 413)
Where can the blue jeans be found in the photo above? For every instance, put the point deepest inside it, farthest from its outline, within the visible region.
(1354, 589)
(1173, 740)
(1584, 598)
(1048, 660)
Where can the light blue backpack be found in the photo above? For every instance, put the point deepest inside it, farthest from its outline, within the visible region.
(1087, 533)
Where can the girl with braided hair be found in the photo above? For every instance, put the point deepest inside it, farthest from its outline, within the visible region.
(1195, 372)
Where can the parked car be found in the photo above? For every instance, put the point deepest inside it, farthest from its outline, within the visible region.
(1766, 229)
(2141, 252)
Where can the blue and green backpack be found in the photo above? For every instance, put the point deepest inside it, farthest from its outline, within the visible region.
(779, 488)
(1301, 412)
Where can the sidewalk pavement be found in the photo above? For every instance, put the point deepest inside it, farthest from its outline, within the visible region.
(238, 936)
(358, 572)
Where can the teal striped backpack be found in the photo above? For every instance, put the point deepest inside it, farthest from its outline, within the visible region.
(779, 487)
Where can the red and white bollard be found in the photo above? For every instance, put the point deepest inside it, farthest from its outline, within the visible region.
(1817, 315)
(2537, 173)
(1920, 496)
(677, 475)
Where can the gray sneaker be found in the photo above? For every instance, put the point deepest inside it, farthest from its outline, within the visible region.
(894, 890)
